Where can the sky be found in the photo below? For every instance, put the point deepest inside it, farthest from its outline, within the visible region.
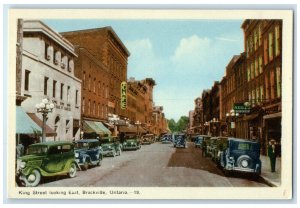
(184, 57)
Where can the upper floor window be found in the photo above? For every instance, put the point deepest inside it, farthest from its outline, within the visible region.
(270, 46)
(54, 88)
(48, 52)
(61, 91)
(277, 40)
(57, 57)
(83, 80)
(71, 65)
(26, 84)
(68, 94)
(46, 85)
(89, 83)
(76, 97)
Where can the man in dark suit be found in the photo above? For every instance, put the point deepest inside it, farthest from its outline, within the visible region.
(272, 154)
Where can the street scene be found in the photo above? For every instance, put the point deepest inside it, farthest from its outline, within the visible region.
(98, 105)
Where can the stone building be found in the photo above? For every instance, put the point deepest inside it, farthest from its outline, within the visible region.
(48, 72)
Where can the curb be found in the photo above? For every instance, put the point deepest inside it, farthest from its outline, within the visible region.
(266, 181)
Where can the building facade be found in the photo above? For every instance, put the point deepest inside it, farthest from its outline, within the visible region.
(108, 49)
(48, 72)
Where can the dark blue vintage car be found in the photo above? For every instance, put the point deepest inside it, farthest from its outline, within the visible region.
(180, 140)
(88, 152)
(198, 141)
(241, 155)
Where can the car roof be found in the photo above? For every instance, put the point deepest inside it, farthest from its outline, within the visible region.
(241, 140)
(53, 143)
(86, 140)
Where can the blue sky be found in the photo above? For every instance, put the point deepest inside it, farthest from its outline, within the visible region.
(184, 57)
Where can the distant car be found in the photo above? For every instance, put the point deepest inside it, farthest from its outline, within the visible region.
(166, 138)
(46, 159)
(88, 152)
(110, 146)
(198, 141)
(131, 144)
(241, 155)
(148, 139)
(180, 140)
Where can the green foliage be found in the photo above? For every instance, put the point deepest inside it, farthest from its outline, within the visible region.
(180, 125)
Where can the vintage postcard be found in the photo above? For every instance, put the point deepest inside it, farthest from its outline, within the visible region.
(149, 104)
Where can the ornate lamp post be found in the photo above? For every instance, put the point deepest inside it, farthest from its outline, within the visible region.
(231, 119)
(114, 119)
(44, 107)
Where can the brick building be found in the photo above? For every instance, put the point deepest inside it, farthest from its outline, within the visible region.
(107, 48)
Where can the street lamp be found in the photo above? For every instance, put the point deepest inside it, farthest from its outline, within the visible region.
(137, 123)
(114, 119)
(231, 116)
(44, 107)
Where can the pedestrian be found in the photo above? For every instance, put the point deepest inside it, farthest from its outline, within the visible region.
(204, 145)
(272, 154)
(19, 150)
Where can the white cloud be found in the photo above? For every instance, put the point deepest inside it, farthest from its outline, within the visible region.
(227, 39)
(191, 50)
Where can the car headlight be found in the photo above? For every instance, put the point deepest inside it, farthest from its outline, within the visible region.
(76, 154)
(22, 164)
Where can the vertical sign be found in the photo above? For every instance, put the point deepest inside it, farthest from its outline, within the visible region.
(123, 95)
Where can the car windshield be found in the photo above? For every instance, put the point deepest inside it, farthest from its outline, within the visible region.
(130, 140)
(37, 150)
(106, 141)
(81, 145)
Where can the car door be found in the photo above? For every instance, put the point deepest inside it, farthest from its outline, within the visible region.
(67, 156)
(53, 161)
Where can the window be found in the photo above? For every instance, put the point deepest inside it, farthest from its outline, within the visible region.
(267, 86)
(248, 73)
(89, 107)
(278, 82)
(54, 88)
(94, 109)
(45, 85)
(270, 46)
(260, 64)
(277, 40)
(61, 91)
(259, 35)
(89, 83)
(255, 40)
(256, 67)
(46, 51)
(83, 80)
(272, 82)
(83, 105)
(94, 85)
(265, 51)
(68, 94)
(76, 97)
(252, 70)
(261, 93)
(99, 90)
(98, 109)
(26, 86)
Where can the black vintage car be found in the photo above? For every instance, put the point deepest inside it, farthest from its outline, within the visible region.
(241, 155)
(180, 140)
(88, 152)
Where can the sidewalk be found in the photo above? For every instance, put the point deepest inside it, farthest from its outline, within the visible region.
(272, 179)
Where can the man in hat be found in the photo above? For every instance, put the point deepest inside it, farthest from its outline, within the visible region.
(272, 154)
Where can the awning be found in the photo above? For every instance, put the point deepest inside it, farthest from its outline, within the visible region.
(94, 126)
(24, 124)
(274, 115)
(250, 117)
(39, 122)
(128, 129)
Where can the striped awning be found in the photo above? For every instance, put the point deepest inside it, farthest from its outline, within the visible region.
(24, 124)
(95, 127)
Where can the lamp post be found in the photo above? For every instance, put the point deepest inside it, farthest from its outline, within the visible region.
(114, 119)
(44, 107)
(231, 116)
(137, 123)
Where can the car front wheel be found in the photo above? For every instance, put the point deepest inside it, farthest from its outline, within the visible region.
(33, 179)
(72, 171)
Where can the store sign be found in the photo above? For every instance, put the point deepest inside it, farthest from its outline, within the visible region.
(241, 108)
(123, 95)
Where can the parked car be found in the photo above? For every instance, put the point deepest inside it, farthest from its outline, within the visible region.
(166, 139)
(198, 141)
(88, 152)
(211, 145)
(221, 145)
(110, 146)
(180, 140)
(204, 144)
(46, 159)
(131, 143)
(147, 139)
(241, 155)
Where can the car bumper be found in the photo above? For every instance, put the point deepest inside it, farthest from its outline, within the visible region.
(108, 152)
(130, 147)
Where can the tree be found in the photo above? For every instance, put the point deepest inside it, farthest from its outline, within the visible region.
(180, 125)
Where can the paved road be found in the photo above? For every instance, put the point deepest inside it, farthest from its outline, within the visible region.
(155, 165)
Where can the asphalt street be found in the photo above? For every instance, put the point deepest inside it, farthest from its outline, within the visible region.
(155, 165)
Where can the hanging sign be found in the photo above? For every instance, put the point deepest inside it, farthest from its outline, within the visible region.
(123, 95)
